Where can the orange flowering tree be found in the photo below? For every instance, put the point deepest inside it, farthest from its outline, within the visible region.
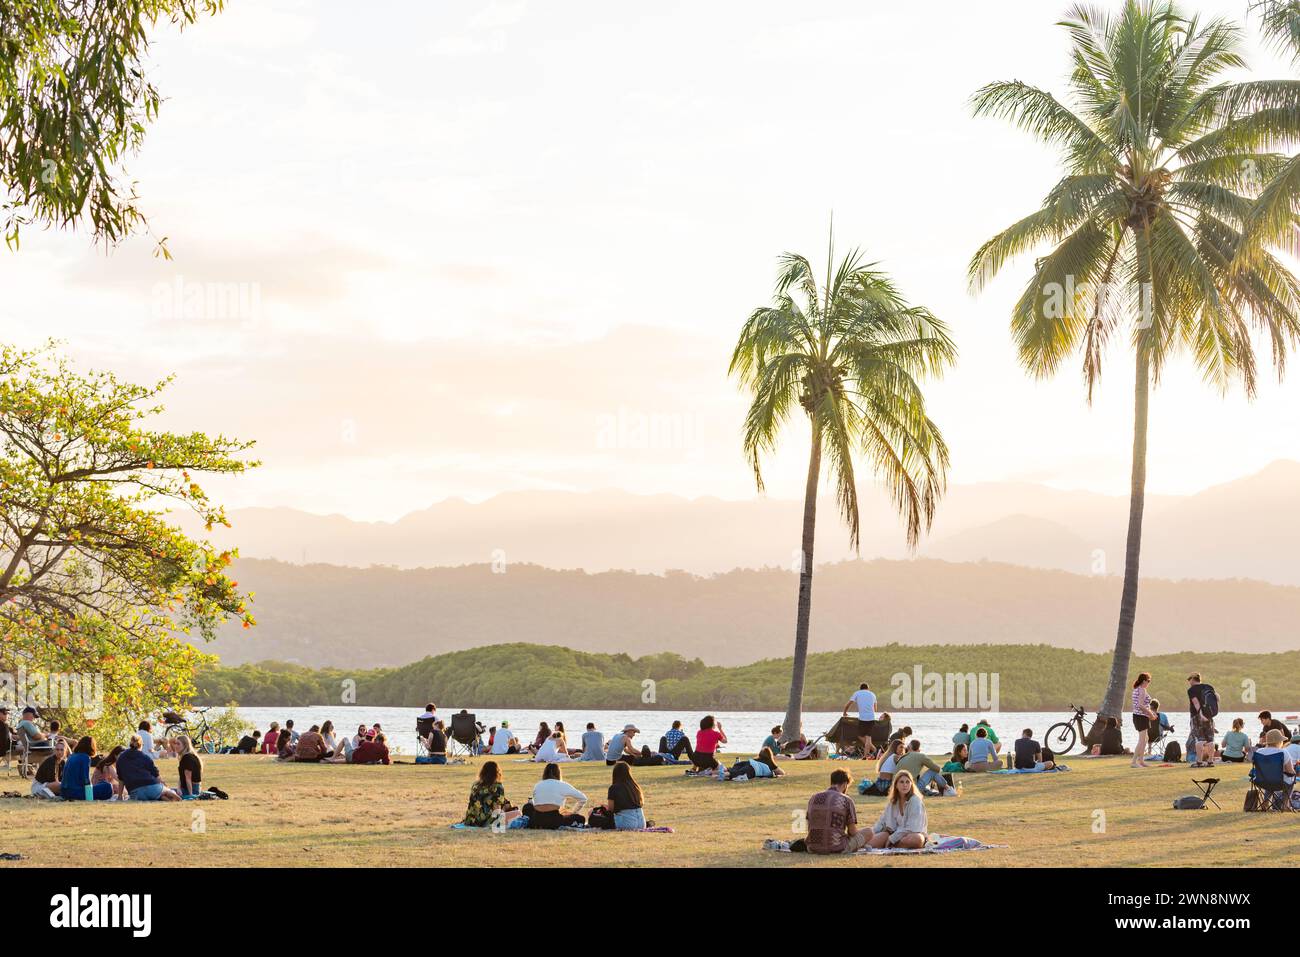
(94, 580)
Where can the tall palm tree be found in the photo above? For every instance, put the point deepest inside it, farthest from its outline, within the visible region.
(848, 354)
(1143, 233)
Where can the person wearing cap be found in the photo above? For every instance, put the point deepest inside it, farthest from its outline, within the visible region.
(621, 747)
(504, 741)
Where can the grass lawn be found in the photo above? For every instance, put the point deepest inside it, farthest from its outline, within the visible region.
(302, 814)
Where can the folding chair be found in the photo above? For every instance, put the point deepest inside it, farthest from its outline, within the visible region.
(423, 728)
(464, 735)
(31, 753)
(1268, 783)
(1207, 788)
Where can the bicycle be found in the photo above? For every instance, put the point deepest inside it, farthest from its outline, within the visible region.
(1061, 737)
(204, 737)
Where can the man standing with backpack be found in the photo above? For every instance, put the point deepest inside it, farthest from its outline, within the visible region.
(1203, 705)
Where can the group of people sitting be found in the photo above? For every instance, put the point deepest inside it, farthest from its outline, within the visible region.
(79, 772)
(318, 744)
(554, 803)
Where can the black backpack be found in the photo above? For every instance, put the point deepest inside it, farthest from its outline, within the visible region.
(1209, 701)
(1173, 753)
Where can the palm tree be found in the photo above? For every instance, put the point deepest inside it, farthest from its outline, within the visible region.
(1161, 162)
(849, 355)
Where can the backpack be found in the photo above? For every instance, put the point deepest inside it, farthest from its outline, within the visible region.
(1251, 803)
(1209, 701)
(1173, 753)
(1188, 803)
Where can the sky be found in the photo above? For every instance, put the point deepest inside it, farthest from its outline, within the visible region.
(451, 250)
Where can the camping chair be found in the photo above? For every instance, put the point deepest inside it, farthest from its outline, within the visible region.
(1158, 738)
(1268, 788)
(32, 753)
(464, 735)
(1207, 788)
(423, 728)
(8, 748)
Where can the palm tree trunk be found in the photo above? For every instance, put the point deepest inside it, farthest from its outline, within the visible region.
(793, 723)
(1112, 705)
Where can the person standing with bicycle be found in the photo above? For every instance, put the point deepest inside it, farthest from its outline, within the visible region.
(1143, 715)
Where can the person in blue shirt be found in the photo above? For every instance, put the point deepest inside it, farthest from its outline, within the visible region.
(983, 753)
(139, 775)
(76, 775)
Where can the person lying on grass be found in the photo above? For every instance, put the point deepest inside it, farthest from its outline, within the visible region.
(903, 823)
(545, 810)
(921, 768)
(487, 799)
(763, 766)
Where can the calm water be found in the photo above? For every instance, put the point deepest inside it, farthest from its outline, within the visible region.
(745, 729)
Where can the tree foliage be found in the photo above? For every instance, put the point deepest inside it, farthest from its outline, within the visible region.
(75, 101)
(93, 578)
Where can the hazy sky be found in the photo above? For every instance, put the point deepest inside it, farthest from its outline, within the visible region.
(433, 249)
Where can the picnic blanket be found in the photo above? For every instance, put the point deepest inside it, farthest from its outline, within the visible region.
(1059, 767)
(938, 844)
(521, 824)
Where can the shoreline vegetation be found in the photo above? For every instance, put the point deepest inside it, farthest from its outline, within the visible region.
(1029, 678)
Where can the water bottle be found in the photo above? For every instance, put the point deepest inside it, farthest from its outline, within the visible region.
(90, 792)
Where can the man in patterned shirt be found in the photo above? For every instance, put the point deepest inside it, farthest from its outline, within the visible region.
(833, 819)
(675, 742)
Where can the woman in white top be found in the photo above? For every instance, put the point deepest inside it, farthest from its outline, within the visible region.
(544, 809)
(903, 824)
(890, 760)
(552, 750)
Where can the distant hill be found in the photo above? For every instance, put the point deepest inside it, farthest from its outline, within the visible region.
(1243, 529)
(1030, 678)
(326, 615)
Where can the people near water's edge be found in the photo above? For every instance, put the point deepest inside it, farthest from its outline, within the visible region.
(1236, 743)
(553, 749)
(139, 775)
(593, 744)
(864, 700)
(983, 752)
(1269, 723)
(1199, 697)
(676, 742)
(487, 799)
(1143, 716)
(923, 770)
(621, 748)
(504, 741)
(1030, 755)
(625, 802)
(956, 763)
(707, 740)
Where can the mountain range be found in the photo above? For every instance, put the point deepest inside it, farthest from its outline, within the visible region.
(1248, 528)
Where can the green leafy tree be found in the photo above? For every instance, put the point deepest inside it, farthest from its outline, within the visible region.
(75, 100)
(848, 354)
(1143, 234)
(93, 578)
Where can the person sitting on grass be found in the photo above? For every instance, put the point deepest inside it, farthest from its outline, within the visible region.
(625, 800)
(145, 730)
(621, 747)
(284, 746)
(889, 763)
(332, 750)
(552, 750)
(190, 766)
(763, 766)
(1112, 737)
(676, 742)
(962, 736)
(1267, 723)
(564, 741)
(289, 730)
(707, 739)
(76, 780)
(50, 771)
(988, 733)
(983, 752)
(593, 744)
(543, 734)
(504, 742)
(956, 764)
(773, 740)
(922, 769)
(545, 810)
(832, 819)
(248, 744)
(139, 775)
(487, 799)
(902, 734)
(1029, 754)
(1236, 743)
(271, 740)
(105, 770)
(311, 746)
(373, 750)
(903, 822)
